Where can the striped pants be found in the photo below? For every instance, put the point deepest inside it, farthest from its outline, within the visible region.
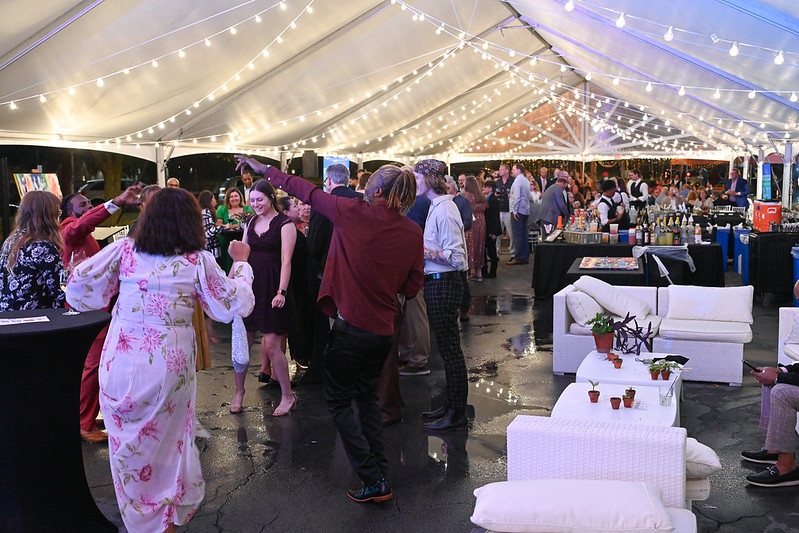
(443, 297)
(778, 409)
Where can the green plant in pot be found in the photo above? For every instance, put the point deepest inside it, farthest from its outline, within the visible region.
(593, 394)
(654, 369)
(602, 330)
(630, 392)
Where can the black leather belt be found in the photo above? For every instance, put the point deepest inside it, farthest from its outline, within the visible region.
(442, 275)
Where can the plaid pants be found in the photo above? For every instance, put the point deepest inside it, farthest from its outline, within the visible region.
(779, 406)
(443, 297)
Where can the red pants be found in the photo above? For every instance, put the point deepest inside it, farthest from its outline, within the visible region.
(90, 385)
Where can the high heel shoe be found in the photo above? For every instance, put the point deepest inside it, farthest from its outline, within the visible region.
(278, 412)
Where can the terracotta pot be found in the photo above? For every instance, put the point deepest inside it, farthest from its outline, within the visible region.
(617, 362)
(655, 374)
(612, 356)
(630, 393)
(628, 402)
(615, 402)
(665, 374)
(604, 341)
(593, 395)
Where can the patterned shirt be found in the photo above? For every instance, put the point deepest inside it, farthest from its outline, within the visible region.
(211, 231)
(34, 282)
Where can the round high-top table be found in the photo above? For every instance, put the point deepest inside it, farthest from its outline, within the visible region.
(42, 480)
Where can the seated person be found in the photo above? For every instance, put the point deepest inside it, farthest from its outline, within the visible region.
(780, 403)
(703, 204)
(672, 200)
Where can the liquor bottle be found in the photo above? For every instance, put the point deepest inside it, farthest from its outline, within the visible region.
(697, 234)
(645, 234)
(639, 233)
(675, 240)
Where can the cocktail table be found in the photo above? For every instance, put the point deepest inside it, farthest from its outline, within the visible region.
(596, 367)
(647, 411)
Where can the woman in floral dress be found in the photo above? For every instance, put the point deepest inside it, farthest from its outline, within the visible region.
(147, 373)
(476, 237)
(30, 260)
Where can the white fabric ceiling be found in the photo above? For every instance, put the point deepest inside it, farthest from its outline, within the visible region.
(363, 76)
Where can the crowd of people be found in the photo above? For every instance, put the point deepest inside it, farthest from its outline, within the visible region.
(415, 237)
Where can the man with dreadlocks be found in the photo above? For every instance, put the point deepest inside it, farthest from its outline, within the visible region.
(386, 248)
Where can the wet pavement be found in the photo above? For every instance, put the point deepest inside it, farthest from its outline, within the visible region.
(290, 473)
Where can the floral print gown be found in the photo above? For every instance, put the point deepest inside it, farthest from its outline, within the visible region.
(147, 371)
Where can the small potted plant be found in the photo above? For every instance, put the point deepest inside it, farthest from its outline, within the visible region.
(628, 401)
(617, 362)
(612, 356)
(615, 402)
(602, 329)
(666, 367)
(654, 369)
(593, 394)
(630, 392)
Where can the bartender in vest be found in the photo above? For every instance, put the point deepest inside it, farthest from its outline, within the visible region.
(611, 212)
(638, 190)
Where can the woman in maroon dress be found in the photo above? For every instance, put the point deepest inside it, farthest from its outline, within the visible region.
(271, 236)
(476, 237)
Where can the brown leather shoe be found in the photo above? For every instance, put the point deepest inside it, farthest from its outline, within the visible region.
(516, 262)
(94, 435)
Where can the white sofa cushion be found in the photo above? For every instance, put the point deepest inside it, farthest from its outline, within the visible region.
(700, 330)
(700, 460)
(793, 338)
(614, 299)
(582, 307)
(792, 351)
(564, 505)
(724, 304)
(577, 329)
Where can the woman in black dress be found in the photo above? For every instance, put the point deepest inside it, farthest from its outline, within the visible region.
(271, 236)
(30, 260)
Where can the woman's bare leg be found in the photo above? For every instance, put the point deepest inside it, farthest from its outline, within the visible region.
(270, 349)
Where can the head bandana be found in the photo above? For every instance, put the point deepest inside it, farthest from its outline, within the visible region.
(431, 167)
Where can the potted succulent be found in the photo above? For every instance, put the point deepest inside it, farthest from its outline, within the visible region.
(615, 402)
(593, 394)
(630, 392)
(666, 367)
(654, 369)
(602, 329)
(628, 401)
(617, 362)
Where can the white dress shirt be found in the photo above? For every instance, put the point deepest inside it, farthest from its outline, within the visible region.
(443, 230)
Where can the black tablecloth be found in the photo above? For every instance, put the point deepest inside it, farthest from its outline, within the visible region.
(42, 481)
(614, 277)
(770, 262)
(551, 262)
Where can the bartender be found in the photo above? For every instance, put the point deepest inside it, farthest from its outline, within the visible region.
(611, 212)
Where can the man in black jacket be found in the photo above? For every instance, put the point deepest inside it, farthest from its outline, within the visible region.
(493, 229)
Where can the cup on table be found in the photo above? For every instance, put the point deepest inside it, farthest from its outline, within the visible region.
(605, 238)
(593, 226)
(614, 229)
(665, 394)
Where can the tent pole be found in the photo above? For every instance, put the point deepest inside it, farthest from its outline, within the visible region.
(760, 156)
(786, 176)
(160, 165)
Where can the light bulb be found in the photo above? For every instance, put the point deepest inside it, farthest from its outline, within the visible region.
(71, 90)
(616, 80)
(257, 19)
(42, 98)
(669, 35)
(569, 6)
(233, 30)
(793, 96)
(681, 92)
(734, 49)
(779, 59)
(208, 42)
(717, 94)
(620, 22)
(155, 63)
(100, 82)
(181, 53)
(752, 94)
(649, 87)
(588, 76)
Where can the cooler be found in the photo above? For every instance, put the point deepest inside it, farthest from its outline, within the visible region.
(766, 212)
(738, 247)
(723, 238)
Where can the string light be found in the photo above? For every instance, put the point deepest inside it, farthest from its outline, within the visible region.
(620, 22)
(569, 6)
(669, 35)
(752, 94)
(779, 59)
(734, 49)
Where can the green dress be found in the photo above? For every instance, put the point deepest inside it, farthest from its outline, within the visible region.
(225, 236)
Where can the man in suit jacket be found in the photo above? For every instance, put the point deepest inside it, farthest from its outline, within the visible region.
(737, 189)
(543, 182)
(493, 229)
(553, 205)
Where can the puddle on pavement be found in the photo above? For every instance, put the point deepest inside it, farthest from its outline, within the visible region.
(492, 305)
(523, 344)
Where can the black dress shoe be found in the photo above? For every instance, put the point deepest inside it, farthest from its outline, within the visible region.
(452, 420)
(435, 415)
(379, 491)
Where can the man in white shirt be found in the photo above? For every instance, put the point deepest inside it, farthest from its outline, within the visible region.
(519, 203)
(638, 190)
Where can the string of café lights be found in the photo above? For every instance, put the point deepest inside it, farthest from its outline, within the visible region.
(278, 39)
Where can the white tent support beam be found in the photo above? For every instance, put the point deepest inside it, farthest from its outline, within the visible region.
(628, 130)
(160, 165)
(231, 96)
(639, 143)
(556, 107)
(787, 162)
(759, 187)
(59, 23)
(592, 141)
(563, 142)
(763, 13)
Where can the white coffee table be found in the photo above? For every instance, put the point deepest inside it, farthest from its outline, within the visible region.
(647, 411)
(596, 367)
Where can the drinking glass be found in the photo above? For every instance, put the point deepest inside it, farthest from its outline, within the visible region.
(63, 277)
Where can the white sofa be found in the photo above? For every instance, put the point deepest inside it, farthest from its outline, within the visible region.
(548, 448)
(710, 326)
(571, 342)
(787, 353)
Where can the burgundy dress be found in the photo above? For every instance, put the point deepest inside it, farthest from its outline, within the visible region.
(476, 237)
(265, 261)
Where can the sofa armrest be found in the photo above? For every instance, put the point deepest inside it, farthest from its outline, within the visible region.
(561, 318)
(787, 315)
(546, 448)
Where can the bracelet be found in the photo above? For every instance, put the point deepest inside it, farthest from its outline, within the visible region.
(281, 292)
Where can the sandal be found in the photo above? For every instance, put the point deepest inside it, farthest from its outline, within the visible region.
(284, 412)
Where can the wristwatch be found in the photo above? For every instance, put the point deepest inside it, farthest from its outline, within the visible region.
(281, 292)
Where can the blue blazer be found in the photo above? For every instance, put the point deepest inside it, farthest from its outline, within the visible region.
(553, 205)
(743, 190)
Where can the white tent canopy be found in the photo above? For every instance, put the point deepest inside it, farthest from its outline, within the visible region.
(394, 79)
